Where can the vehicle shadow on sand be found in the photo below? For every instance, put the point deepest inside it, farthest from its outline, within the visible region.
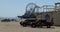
(46, 27)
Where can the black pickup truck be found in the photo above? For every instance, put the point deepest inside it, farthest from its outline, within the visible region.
(36, 23)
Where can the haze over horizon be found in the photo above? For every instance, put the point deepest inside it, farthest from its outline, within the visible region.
(13, 8)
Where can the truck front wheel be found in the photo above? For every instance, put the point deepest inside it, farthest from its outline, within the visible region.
(33, 26)
(24, 25)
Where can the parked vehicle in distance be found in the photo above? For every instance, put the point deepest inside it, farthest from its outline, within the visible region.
(36, 23)
(5, 20)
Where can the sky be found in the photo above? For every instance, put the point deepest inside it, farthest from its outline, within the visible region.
(13, 8)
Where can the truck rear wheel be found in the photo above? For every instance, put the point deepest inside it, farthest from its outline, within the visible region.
(48, 26)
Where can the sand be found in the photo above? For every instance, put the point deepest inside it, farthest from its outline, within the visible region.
(16, 27)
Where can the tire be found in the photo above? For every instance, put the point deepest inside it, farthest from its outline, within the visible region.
(21, 23)
(24, 25)
(33, 26)
(48, 26)
(41, 26)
